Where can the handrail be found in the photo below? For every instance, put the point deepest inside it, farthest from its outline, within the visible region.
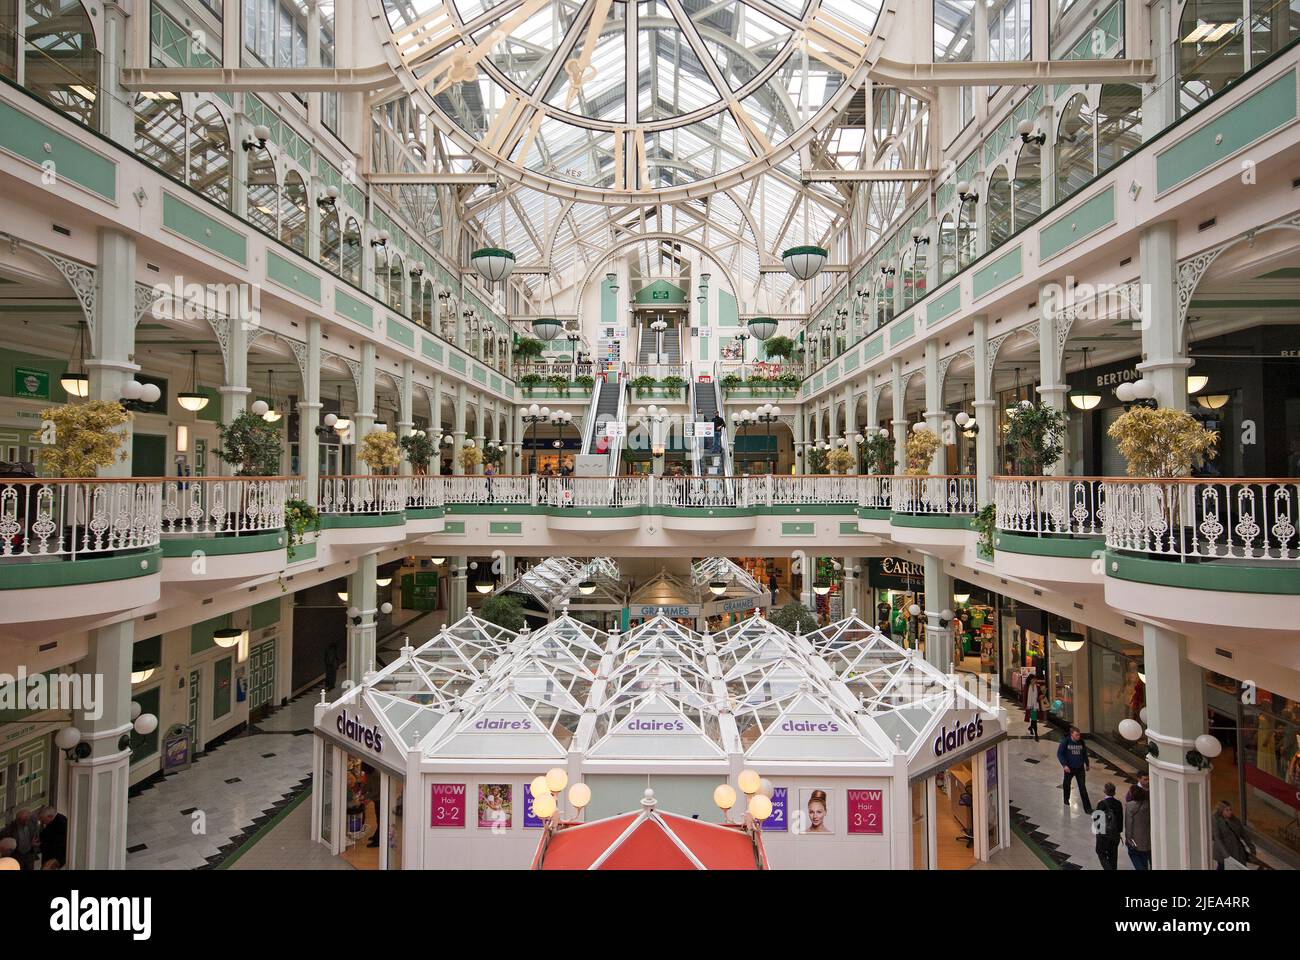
(1073, 506)
(68, 519)
(225, 505)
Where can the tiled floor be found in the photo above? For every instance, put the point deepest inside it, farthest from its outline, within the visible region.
(238, 786)
(288, 846)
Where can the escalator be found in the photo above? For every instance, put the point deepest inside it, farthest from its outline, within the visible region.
(608, 402)
(706, 401)
(672, 346)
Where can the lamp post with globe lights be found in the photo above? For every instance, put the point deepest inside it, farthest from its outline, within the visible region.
(532, 415)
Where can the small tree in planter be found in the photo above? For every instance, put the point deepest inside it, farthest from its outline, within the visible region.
(250, 445)
(528, 349)
(878, 452)
(503, 610)
(379, 451)
(1162, 443)
(816, 460)
(419, 450)
(922, 445)
(1034, 437)
(840, 460)
(529, 381)
(779, 348)
(494, 455)
(469, 457)
(793, 617)
(84, 438)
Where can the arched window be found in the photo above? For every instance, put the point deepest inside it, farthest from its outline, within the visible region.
(60, 61)
(293, 212)
(1208, 59)
(884, 299)
(396, 284)
(160, 130)
(947, 248)
(263, 192)
(910, 275)
(417, 301)
(330, 240)
(352, 253)
(1074, 147)
(210, 160)
(1119, 123)
(381, 255)
(998, 215)
(967, 234)
(1027, 188)
(426, 303)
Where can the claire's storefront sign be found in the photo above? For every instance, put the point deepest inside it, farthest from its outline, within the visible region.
(957, 735)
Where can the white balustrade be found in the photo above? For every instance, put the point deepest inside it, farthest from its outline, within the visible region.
(815, 489)
(73, 519)
(597, 492)
(1204, 519)
(874, 491)
(225, 505)
(933, 494)
(705, 491)
(364, 493)
(1073, 506)
(424, 492)
(475, 489)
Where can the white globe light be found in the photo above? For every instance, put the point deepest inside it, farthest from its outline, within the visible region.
(1142, 714)
(354, 612)
(749, 782)
(962, 418)
(557, 778)
(132, 390)
(259, 408)
(724, 797)
(1207, 745)
(136, 709)
(146, 724)
(544, 806)
(385, 607)
(765, 787)
(150, 393)
(946, 615)
(1025, 404)
(538, 786)
(1144, 389)
(1124, 393)
(579, 795)
(914, 610)
(9, 863)
(330, 419)
(1130, 729)
(760, 807)
(919, 427)
(67, 738)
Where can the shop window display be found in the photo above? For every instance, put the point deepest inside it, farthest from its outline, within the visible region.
(1118, 690)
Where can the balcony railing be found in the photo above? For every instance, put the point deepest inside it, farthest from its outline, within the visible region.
(875, 491)
(503, 490)
(814, 489)
(1196, 519)
(1059, 506)
(599, 492)
(933, 495)
(225, 505)
(425, 492)
(362, 494)
(73, 519)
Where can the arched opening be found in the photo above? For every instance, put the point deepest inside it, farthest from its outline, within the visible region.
(293, 212)
(1027, 188)
(998, 214)
(160, 132)
(967, 235)
(947, 248)
(1119, 123)
(1074, 148)
(211, 168)
(330, 239)
(263, 192)
(352, 252)
(884, 299)
(60, 60)
(395, 283)
(1208, 60)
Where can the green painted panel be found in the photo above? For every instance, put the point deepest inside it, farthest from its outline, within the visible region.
(27, 137)
(795, 529)
(944, 305)
(454, 526)
(458, 363)
(346, 305)
(660, 292)
(496, 382)
(201, 633)
(480, 375)
(1006, 267)
(221, 687)
(849, 528)
(874, 347)
(901, 330)
(1083, 221)
(264, 614)
(57, 573)
(399, 332)
(728, 312)
(505, 527)
(1264, 111)
(1232, 578)
(431, 348)
(194, 224)
(851, 361)
(292, 276)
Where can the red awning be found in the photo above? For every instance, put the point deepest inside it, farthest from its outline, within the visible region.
(650, 840)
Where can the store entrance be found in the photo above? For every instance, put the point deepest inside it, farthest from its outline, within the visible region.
(362, 815)
(954, 817)
(358, 810)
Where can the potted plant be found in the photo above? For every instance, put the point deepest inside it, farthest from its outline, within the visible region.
(643, 384)
(585, 382)
(528, 349)
(299, 517)
(731, 382)
(788, 380)
(759, 382)
(816, 460)
(470, 457)
(878, 452)
(841, 460)
(922, 445)
(559, 382)
(419, 450)
(779, 348)
(379, 451)
(1034, 437)
(793, 617)
(530, 380)
(83, 438)
(674, 385)
(251, 445)
(503, 610)
(494, 455)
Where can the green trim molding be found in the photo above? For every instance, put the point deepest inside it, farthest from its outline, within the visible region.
(1225, 576)
(292, 277)
(1094, 214)
(68, 573)
(1004, 269)
(934, 521)
(346, 305)
(208, 232)
(348, 521)
(1051, 545)
(38, 143)
(944, 305)
(173, 547)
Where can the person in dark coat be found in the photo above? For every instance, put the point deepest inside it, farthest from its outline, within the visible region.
(1109, 823)
(331, 666)
(1137, 828)
(1072, 755)
(53, 838)
(1230, 837)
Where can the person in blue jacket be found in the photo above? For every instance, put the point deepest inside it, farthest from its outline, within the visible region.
(1072, 755)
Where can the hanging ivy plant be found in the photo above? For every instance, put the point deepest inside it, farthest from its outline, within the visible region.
(985, 523)
(299, 517)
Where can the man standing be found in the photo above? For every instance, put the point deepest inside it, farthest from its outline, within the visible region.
(1108, 821)
(1143, 784)
(719, 425)
(23, 832)
(53, 838)
(1072, 755)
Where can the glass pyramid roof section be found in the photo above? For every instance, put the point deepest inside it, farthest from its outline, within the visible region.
(739, 581)
(661, 637)
(554, 581)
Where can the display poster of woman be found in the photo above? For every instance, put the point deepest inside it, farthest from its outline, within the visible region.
(816, 812)
(494, 805)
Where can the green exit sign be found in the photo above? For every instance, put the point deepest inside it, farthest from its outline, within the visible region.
(659, 294)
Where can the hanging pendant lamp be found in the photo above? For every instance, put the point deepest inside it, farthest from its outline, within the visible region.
(192, 399)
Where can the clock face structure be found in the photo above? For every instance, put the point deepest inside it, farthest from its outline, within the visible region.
(617, 101)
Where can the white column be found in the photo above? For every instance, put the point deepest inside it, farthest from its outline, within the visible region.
(1052, 388)
(458, 434)
(938, 595)
(117, 118)
(309, 408)
(899, 421)
(934, 413)
(98, 781)
(1164, 359)
(406, 412)
(1180, 793)
(985, 415)
(457, 591)
(113, 338)
(364, 418)
(363, 595)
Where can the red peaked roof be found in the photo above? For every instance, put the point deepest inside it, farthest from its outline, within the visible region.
(650, 840)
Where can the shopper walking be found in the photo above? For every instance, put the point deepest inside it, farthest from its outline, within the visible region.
(1035, 711)
(1108, 822)
(1230, 839)
(1143, 784)
(1072, 755)
(1137, 827)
